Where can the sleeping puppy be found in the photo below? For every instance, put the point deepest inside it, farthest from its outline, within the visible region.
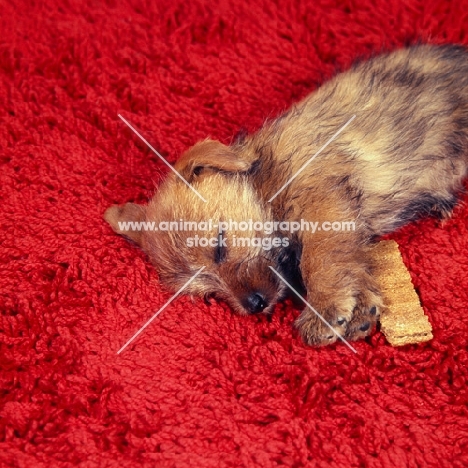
(392, 138)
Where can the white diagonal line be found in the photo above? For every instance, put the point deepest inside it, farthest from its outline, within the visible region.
(312, 158)
(313, 310)
(160, 157)
(160, 310)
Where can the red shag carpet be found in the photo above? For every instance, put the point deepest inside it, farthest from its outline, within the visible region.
(200, 387)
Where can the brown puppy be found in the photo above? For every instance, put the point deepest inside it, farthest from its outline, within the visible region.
(403, 156)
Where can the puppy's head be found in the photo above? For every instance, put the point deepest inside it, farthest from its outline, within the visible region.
(181, 233)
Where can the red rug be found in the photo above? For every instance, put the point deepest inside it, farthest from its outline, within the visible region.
(200, 387)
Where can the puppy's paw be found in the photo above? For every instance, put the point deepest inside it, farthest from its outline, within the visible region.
(369, 303)
(318, 331)
(350, 311)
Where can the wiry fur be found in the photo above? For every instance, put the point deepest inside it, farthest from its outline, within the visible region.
(404, 156)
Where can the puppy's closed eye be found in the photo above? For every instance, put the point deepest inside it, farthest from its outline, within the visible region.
(220, 249)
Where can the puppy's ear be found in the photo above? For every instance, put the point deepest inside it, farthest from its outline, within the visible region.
(208, 156)
(123, 218)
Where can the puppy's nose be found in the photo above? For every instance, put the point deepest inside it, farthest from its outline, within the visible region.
(365, 327)
(255, 303)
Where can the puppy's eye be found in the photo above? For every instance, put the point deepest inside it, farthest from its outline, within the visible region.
(221, 249)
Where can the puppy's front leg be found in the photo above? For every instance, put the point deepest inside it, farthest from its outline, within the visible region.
(336, 270)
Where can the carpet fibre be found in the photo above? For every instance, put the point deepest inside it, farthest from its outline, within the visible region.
(200, 387)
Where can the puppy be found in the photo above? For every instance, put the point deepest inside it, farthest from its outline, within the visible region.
(402, 155)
